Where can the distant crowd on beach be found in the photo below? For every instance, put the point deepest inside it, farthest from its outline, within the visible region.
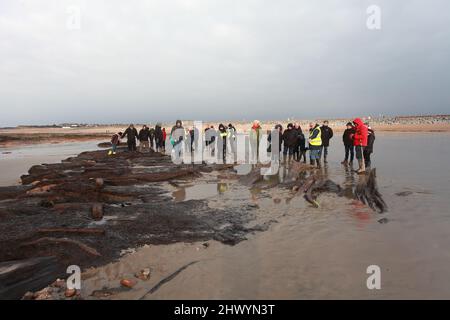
(291, 143)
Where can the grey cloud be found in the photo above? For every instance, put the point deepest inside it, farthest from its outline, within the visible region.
(214, 59)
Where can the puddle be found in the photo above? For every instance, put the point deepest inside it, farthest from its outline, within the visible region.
(199, 191)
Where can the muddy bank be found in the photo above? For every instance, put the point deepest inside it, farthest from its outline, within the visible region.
(19, 139)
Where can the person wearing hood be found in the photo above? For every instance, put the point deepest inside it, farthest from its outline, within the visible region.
(327, 134)
(299, 150)
(348, 144)
(177, 137)
(222, 143)
(279, 129)
(360, 142)
(315, 144)
(131, 134)
(369, 149)
(290, 136)
(255, 138)
(144, 136)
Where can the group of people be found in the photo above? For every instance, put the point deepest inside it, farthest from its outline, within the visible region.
(295, 144)
(358, 139)
(149, 139)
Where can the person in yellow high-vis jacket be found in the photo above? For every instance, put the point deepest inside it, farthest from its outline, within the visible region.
(315, 144)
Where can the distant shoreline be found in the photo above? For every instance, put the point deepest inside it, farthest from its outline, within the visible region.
(29, 135)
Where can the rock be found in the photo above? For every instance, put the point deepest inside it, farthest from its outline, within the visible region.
(44, 294)
(70, 293)
(144, 274)
(59, 283)
(97, 211)
(127, 283)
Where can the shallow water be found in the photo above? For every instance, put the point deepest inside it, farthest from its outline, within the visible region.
(315, 253)
(16, 161)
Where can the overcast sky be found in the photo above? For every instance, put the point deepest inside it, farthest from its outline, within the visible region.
(144, 61)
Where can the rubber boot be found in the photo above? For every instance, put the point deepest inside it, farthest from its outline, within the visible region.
(311, 162)
(325, 159)
(318, 163)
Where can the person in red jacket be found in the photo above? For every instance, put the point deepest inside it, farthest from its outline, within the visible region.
(164, 137)
(360, 142)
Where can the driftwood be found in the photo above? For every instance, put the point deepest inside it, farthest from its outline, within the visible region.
(367, 192)
(79, 244)
(93, 231)
(20, 276)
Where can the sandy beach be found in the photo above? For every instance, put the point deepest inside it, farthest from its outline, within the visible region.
(34, 135)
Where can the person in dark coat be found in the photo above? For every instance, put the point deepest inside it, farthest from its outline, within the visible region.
(195, 135)
(222, 142)
(327, 134)
(159, 140)
(131, 134)
(279, 129)
(369, 149)
(115, 141)
(144, 136)
(290, 136)
(299, 150)
(348, 144)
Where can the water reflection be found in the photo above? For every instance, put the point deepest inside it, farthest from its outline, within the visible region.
(199, 191)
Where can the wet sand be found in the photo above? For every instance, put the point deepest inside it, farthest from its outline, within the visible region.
(320, 253)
